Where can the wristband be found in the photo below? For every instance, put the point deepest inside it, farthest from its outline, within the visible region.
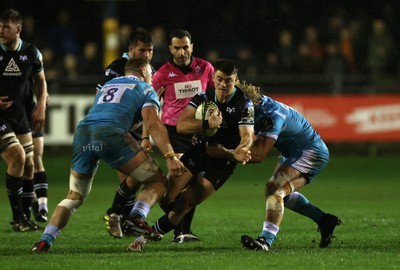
(170, 155)
(145, 138)
(205, 124)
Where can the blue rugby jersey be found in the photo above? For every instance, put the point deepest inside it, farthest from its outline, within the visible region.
(278, 121)
(120, 102)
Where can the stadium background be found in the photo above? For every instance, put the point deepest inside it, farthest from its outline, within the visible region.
(340, 95)
(79, 38)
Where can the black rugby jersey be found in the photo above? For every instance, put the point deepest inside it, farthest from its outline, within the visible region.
(237, 110)
(117, 68)
(16, 67)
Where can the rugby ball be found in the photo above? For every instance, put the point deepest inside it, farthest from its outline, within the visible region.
(203, 112)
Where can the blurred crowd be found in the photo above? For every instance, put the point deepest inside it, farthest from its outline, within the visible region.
(337, 42)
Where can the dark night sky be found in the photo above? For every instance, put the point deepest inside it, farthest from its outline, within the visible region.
(215, 24)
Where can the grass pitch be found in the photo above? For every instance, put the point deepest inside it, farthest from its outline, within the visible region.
(362, 191)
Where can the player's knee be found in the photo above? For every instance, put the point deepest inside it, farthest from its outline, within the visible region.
(280, 185)
(28, 168)
(18, 162)
(79, 188)
(15, 159)
(270, 188)
(132, 184)
(71, 205)
(146, 170)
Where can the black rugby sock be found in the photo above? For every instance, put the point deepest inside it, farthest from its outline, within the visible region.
(27, 197)
(163, 225)
(122, 195)
(186, 222)
(14, 190)
(40, 184)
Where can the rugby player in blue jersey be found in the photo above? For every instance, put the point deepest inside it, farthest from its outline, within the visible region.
(304, 155)
(104, 134)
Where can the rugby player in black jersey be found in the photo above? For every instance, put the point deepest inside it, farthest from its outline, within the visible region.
(19, 62)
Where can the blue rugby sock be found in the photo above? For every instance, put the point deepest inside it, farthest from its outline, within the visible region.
(299, 204)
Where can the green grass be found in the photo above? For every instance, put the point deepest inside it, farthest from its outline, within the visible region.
(363, 191)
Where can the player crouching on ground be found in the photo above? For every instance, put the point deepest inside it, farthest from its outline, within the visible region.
(104, 134)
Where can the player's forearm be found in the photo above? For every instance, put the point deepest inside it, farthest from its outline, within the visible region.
(261, 147)
(41, 93)
(246, 135)
(189, 126)
(145, 132)
(219, 151)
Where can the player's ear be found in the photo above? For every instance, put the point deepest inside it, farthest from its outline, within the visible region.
(19, 29)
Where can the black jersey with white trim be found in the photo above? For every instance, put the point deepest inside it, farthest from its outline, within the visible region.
(16, 68)
(117, 68)
(238, 110)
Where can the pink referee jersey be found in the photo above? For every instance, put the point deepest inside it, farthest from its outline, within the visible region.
(181, 87)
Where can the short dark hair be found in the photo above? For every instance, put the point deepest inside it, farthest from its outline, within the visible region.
(140, 34)
(11, 15)
(135, 64)
(227, 66)
(179, 33)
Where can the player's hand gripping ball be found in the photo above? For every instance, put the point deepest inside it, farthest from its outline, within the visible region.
(203, 112)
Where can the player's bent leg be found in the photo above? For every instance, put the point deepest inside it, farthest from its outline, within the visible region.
(121, 207)
(147, 198)
(198, 191)
(145, 170)
(283, 182)
(175, 185)
(80, 186)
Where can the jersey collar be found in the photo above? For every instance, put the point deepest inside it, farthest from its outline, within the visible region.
(18, 48)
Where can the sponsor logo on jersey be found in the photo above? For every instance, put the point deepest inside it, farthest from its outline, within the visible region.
(230, 110)
(23, 58)
(12, 69)
(171, 75)
(187, 89)
(198, 71)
